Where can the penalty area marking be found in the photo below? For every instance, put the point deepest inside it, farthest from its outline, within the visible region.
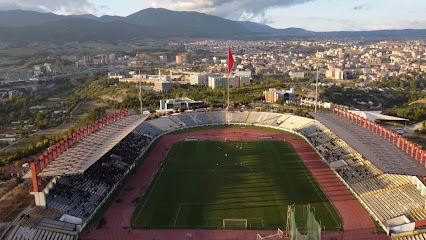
(209, 219)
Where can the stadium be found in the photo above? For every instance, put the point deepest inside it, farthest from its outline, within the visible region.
(228, 175)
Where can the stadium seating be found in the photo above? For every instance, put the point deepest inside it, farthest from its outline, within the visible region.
(164, 123)
(176, 120)
(358, 173)
(263, 118)
(419, 236)
(201, 118)
(150, 130)
(218, 117)
(387, 195)
(395, 202)
(25, 233)
(187, 119)
(295, 123)
(79, 195)
(238, 117)
(379, 184)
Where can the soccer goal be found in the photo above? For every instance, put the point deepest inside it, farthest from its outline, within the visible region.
(231, 223)
(279, 235)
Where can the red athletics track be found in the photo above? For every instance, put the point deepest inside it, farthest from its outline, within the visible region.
(357, 224)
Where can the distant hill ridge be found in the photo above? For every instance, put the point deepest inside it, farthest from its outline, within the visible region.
(26, 26)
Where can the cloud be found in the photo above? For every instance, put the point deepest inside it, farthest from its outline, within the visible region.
(232, 9)
(404, 24)
(344, 24)
(360, 7)
(66, 7)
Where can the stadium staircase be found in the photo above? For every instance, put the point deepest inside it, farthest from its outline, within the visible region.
(175, 121)
(248, 115)
(210, 118)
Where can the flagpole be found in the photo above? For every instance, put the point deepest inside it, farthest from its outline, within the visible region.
(228, 76)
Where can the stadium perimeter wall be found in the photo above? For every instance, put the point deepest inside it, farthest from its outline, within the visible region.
(371, 213)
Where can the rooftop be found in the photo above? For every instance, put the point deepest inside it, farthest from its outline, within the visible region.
(382, 153)
(86, 152)
(376, 115)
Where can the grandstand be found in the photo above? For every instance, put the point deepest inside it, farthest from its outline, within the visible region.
(372, 146)
(149, 130)
(164, 124)
(380, 175)
(68, 194)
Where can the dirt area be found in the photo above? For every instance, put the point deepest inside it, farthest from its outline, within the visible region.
(419, 102)
(119, 96)
(14, 201)
(7, 186)
(85, 107)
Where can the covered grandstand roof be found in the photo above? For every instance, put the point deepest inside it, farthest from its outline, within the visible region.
(383, 154)
(376, 115)
(86, 152)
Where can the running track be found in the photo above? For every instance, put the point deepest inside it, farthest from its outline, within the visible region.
(357, 224)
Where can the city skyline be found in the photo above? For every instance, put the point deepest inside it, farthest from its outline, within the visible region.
(315, 15)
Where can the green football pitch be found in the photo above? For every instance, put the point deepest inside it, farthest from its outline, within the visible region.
(202, 183)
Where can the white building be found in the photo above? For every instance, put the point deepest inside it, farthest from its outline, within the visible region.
(294, 74)
(183, 102)
(179, 59)
(202, 79)
(320, 104)
(163, 58)
(334, 73)
(246, 73)
(218, 82)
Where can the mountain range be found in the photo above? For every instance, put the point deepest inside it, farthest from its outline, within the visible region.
(23, 27)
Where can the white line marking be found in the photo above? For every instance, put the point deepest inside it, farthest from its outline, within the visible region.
(153, 186)
(177, 215)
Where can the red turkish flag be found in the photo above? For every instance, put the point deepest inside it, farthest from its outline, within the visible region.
(230, 60)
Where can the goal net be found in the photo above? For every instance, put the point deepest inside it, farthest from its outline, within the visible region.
(230, 223)
(279, 235)
(308, 228)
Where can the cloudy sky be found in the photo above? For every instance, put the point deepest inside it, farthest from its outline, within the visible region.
(316, 15)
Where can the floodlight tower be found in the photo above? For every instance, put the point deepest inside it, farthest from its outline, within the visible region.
(316, 91)
(140, 65)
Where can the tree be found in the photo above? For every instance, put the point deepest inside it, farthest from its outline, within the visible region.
(39, 145)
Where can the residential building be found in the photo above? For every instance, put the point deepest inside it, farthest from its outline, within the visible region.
(246, 73)
(218, 82)
(334, 73)
(202, 79)
(179, 59)
(273, 95)
(294, 74)
(163, 86)
(163, 58)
